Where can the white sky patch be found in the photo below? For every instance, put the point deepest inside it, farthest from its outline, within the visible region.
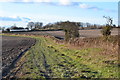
(26, 0)
(84, 6)
(14, 19)
(9, 24)
(47, 0)
(45, 18)
(65, 2)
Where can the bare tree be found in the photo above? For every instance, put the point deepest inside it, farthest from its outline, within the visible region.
(31, 25)
(38, 25)
(109, 20)
(88, 24)
(2, 28)
(106, 31)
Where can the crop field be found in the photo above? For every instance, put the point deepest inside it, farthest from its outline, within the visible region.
(48, 59)
(83, 33)
(96, 32)
(12, 48)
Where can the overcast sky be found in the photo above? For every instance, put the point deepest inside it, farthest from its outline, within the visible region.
(20, 12)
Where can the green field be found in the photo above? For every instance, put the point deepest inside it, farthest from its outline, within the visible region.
(48, 59)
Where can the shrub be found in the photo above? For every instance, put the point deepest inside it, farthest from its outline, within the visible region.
(71, 30)
(106, 31)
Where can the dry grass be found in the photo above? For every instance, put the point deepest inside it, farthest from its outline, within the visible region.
(109, 45)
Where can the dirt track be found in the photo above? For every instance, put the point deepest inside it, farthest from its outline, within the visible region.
(12, 47)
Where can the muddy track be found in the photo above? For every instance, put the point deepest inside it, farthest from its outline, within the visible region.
(47, 72)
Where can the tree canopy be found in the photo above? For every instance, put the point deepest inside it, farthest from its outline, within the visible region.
(71, 29)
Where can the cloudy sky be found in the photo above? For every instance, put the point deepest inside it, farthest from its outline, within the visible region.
(20, 12)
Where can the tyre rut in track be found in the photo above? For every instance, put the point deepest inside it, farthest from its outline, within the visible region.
(47, 71)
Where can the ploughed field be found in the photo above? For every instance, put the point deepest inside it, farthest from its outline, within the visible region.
(12, 48)
(60, 34)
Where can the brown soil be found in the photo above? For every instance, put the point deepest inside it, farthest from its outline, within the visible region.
(12, 49)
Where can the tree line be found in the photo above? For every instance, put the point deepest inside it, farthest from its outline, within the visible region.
(34, 25)
(71, 29)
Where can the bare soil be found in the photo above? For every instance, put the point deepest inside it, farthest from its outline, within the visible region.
(96, 32)
(12, 49)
